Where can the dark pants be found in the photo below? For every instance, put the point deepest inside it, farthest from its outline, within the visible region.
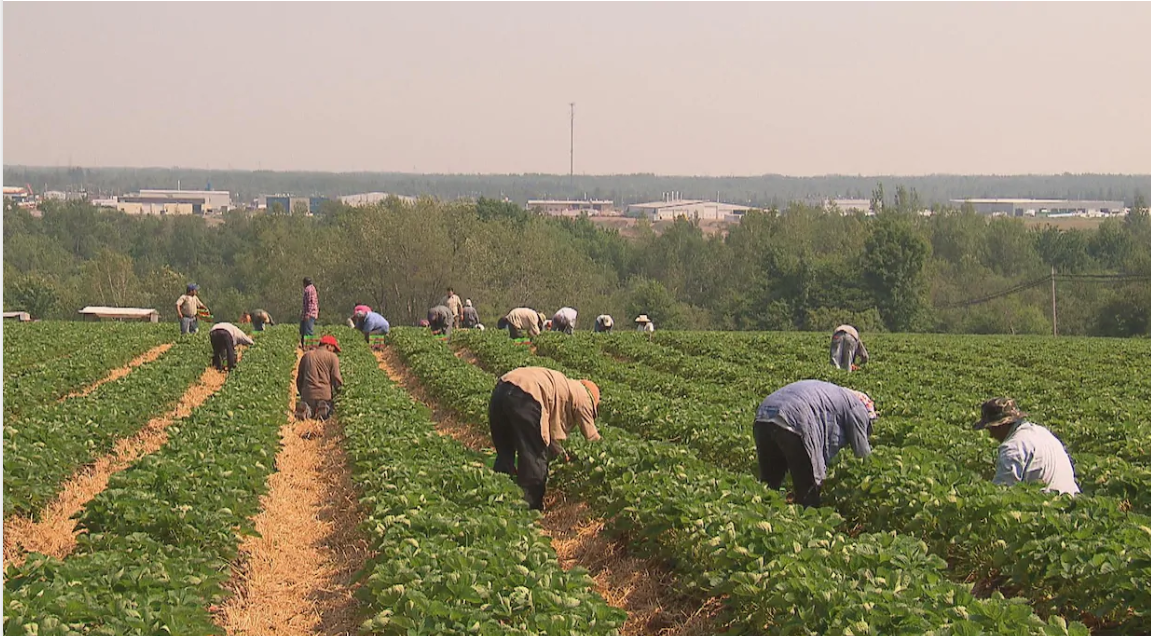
(781, 451)
(514, 417)
(223, 348)
(307, 328)
(441, 327)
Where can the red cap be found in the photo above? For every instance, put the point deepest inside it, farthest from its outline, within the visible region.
(330, 340)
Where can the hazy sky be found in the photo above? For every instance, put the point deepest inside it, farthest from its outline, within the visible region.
(684, 88)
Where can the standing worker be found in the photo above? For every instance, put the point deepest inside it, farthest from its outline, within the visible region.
(530, 413)
(846, 347)
(372, 324)
(225, 336)
(564, 320)
(603, 323)
(318, 380)
(310, 311)
(454, 305)
(520, 320)
(260, 319)
(188, 308)
(440, 319)
(801, 427)
(644, 324)
(1027, 451)
(469, 316)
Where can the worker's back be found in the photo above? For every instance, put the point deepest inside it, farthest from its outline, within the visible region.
(319, 370)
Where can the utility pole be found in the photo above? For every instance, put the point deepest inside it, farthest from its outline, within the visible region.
(1054, 321)
(571, 149)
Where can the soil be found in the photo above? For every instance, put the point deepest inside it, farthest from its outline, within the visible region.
(116, 374)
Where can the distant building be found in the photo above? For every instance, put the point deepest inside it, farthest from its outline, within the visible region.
(120, 313)
(171, 202)
(290, 203)
(1042, 207)
(688, 208)
(370, 198)
(214, 201)
(23, 196)
(571, 207)
(848, 205)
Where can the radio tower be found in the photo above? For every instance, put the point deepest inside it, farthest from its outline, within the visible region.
(571, 150)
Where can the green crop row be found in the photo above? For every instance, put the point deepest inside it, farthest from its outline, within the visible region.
(725, 448)
(33, 343)
(54, 378)
(48, 442)
(160, 540)
(457, 550)
(781, 568)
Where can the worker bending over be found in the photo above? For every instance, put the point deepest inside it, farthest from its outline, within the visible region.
(520, 320)
(1027, 451)
(260, 319)
(371, 324)
(603, 323)
(846, 348)
(564, 320)
(469, 317)
(318, 380)
(801, 427)
(441, 320)
(530, 413)
(225, 336)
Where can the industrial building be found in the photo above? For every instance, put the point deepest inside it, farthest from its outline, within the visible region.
(688, 208)
(289, 203)
(171, 202)
(571, 207)
(848, 205)
(370, 198)
(1042, 207)
(214, 201)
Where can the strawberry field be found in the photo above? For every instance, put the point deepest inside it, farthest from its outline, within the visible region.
(912, 540)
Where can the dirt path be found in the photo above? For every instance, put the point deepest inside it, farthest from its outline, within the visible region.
(297, 576)
(55, 533)
(116, 374)
(642, 588)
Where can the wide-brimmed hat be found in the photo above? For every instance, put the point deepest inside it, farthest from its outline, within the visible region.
(330, 340)
(997, 412)
(643, 318)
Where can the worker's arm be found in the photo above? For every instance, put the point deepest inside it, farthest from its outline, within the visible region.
(585, 420)
(862, 353)
(243, 338)
(337, 379)
(1009, 467)
(857, 433)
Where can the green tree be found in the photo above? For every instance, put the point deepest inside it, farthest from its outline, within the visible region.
(894, 261)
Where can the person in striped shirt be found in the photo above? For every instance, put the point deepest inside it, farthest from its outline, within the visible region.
(310, 311)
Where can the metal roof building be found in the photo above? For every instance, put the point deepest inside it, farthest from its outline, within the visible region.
(691, 209)
(1033, 207)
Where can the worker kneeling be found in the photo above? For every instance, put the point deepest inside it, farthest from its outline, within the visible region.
(530, 413)
(801, 427)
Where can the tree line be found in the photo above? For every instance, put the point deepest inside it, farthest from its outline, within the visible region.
(799, 267)
(759, 191)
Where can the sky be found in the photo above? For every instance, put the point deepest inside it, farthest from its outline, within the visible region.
(666, 88)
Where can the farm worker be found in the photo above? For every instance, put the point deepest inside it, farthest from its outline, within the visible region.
(188, 308)
(440, 319)
(644, 324)
(801, 427)
(225, 336)
(260, 318)
(372, 324)
(564, 320)
(318, 380)
(1027, 451)
(846, 348)
(521, 319)
(530, 413)
(310, 311)
(454, 305)
(603, 323)
(469, 317)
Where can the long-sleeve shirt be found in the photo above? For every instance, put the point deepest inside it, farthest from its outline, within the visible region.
(563, 402)
(238, 336)
(262, 316)
(470, 317)
(1033, 453)
(826, 416)
(439, 316)
(524, 318)
(187, 305)
(565, 316)
(454, 304)
(311, 303)
(861, 352)
(319, 375)
(374, 322)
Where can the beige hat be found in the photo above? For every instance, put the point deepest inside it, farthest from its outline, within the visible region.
(643, 318)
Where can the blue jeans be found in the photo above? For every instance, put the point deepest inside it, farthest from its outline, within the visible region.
(307, 328)
(188, 325)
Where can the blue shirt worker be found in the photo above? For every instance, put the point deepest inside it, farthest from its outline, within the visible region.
(372, 324)
(1027, 451)
(801, 427)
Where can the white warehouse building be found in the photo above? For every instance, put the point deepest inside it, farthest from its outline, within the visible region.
(691, 209)
(1042, 207)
